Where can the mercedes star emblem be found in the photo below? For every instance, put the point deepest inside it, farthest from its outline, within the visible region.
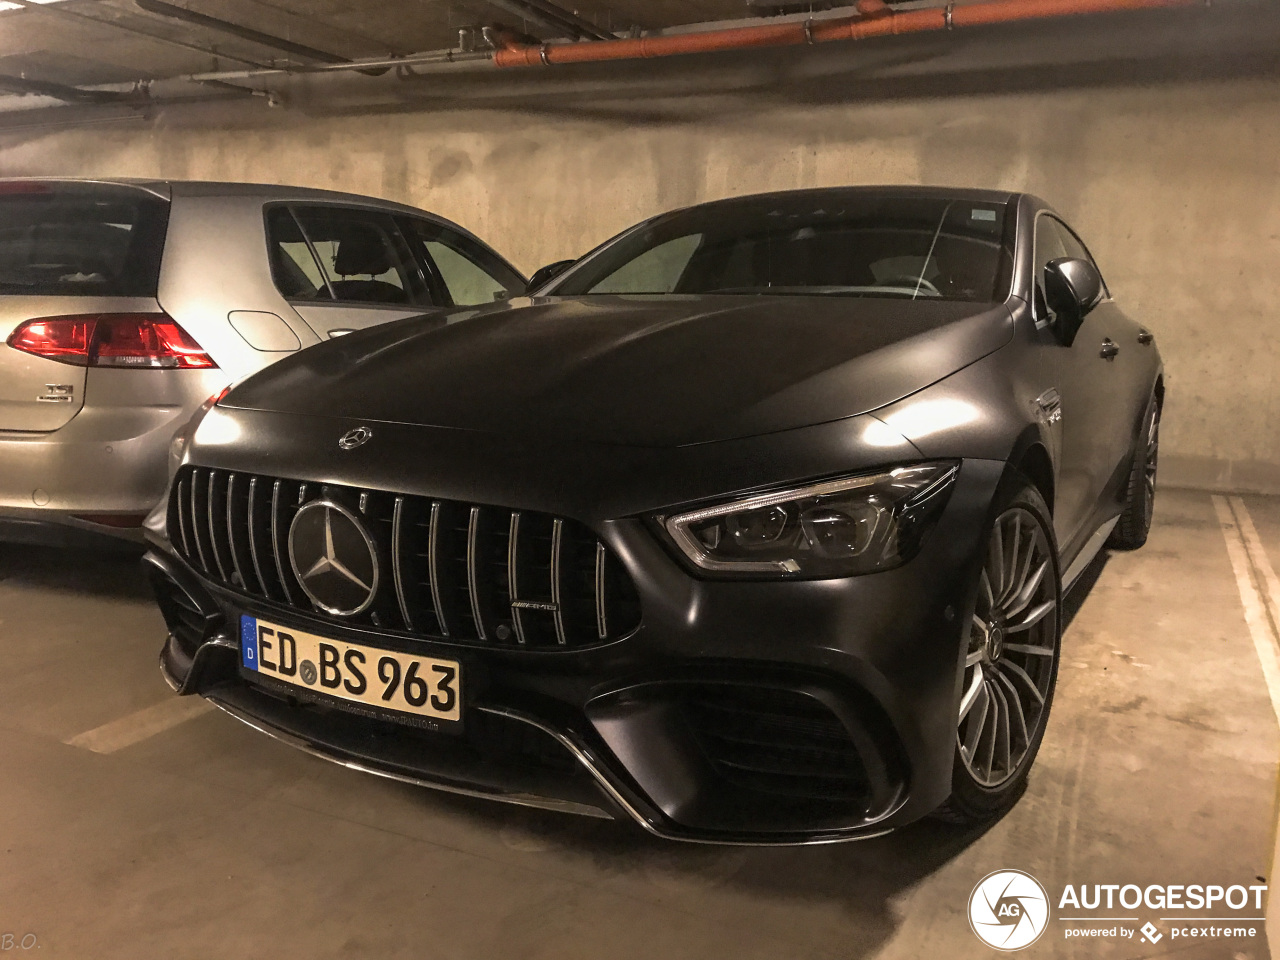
(334, 558)
(355, 438)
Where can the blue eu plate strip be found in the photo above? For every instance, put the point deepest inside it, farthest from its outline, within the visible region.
(249, 641)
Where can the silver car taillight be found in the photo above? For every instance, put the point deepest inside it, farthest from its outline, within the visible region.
(131, 340)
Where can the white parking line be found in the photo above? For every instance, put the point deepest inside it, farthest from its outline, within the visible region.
(1258, 556)
(1260, 595)
(1253, 576)
(137, 727)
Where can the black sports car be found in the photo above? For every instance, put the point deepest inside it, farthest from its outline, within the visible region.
(751, 526)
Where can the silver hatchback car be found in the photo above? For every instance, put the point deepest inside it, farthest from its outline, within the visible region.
(125, 305)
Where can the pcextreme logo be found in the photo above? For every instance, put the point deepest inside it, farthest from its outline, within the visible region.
(1008, 910)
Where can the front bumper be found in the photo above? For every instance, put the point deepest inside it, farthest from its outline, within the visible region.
(738, 712)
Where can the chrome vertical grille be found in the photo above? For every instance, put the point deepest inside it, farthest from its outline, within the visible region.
(398, 571)
(461, 571)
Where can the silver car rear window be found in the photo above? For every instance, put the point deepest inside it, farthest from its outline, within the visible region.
(78, 244)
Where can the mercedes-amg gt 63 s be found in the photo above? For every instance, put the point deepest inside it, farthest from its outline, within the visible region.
(751, 526)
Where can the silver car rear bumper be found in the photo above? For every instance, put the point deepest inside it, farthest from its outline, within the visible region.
(110, 459)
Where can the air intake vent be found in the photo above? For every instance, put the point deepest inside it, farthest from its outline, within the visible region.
(182, 615)
(457, 571)
(777, 741)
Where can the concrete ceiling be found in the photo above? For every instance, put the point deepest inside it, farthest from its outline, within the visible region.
(72, 61)
(86, 42)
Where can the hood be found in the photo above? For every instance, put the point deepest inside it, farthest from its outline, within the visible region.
(638, 371)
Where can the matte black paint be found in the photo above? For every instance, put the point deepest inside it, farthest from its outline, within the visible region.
(639, 371)
(608, 410)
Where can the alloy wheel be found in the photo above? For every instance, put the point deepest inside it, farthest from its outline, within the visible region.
(1013, 643)
(1149, 465)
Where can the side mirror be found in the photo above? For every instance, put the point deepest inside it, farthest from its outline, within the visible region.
(1073, 288)
(544, 275)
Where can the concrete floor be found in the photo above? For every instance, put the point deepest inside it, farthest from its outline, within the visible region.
(207, 840)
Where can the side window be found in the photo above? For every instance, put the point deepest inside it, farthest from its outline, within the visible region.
(296, 274)
(1048, 247)
(470, 273)
(655, 271)
(362, 256)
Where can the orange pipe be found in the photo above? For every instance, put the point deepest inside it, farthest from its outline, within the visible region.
(877, 20)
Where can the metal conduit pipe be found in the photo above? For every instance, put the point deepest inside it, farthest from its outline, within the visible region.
(585, 27)
(877, 19)
(56, 11)
(164, 9)
(552, 18)
(174, 12)
(355, 66)
(67, 94)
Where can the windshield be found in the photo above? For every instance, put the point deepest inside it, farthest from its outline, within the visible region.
(81, 245)
(850, 245)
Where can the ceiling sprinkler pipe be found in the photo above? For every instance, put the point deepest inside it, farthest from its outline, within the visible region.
(163, 8)
(356, 66)
(876, 19)
(553, 18)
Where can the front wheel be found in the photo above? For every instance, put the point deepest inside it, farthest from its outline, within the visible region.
(1011, 662)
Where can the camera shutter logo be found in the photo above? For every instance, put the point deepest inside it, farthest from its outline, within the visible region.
(1008, 910)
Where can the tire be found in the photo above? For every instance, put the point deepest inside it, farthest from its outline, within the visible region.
(1010, 665)
(1140, 495)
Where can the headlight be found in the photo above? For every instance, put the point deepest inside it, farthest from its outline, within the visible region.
(836, 528)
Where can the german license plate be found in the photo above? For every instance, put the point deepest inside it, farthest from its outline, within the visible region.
(423, 686)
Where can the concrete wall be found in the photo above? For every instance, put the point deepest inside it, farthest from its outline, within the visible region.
(1176, 187)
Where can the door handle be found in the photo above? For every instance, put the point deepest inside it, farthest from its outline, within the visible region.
(1109, 349)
